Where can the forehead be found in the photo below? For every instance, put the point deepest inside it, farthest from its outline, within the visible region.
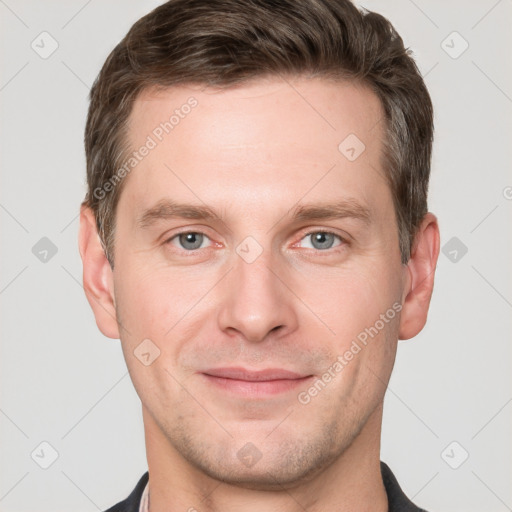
(248, 113)
(257, 140)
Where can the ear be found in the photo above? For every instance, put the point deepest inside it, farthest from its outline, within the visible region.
(97, 276)
(419, 281)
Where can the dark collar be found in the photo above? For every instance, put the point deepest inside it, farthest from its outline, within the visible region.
(131, 504)
(397, 500)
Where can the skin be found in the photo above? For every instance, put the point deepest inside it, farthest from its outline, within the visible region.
(253, 153)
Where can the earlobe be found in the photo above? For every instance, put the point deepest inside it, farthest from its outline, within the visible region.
(419, 281)
(97, 275)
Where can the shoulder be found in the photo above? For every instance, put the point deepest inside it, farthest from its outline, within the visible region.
(131, 504)
(397, 500)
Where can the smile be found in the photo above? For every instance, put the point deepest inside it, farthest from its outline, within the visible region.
(254, 384)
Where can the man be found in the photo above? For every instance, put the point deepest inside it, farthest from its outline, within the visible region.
(256, 233)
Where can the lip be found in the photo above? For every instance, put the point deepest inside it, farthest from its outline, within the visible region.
(254, 383)
(239, 373)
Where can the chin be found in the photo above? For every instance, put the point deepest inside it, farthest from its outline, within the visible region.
(282, 463)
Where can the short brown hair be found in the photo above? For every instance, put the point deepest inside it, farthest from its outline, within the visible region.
(227, 42)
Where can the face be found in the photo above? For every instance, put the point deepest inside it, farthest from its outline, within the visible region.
(261, 260)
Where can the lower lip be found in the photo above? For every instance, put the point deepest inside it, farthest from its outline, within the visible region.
(255, 389)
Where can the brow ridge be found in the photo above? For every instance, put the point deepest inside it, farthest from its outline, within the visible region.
(167, 209)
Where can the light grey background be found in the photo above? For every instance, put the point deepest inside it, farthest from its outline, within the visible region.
(63, 383)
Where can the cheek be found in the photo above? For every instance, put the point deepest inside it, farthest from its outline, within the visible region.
(362, 308)
(153, 302)
(152, 306)
(350, 300)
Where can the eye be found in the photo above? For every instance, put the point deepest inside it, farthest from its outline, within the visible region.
(189, 241)
(322, 240)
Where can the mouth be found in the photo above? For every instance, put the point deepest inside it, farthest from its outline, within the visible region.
(255, 384)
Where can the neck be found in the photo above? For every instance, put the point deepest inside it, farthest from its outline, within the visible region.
(353, 482)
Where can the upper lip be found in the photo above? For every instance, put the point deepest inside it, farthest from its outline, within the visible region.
(254, 375)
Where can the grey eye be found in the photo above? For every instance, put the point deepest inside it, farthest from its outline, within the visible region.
(190, 241)
(322, 240)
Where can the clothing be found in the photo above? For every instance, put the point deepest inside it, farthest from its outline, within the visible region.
(397, 500)
(144, 501)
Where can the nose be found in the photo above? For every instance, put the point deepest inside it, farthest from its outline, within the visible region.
(256, 301)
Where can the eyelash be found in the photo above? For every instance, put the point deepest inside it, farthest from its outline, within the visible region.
(343, 241)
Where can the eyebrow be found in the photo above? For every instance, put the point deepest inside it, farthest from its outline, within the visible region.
(331, 211)
(168, 209)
